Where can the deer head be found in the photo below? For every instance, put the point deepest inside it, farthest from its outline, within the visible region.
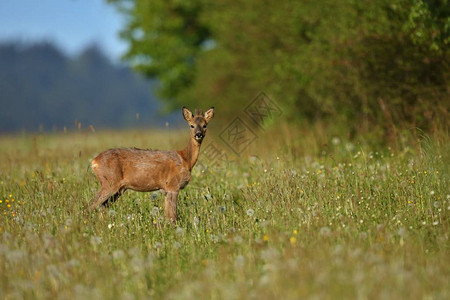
(198, 122)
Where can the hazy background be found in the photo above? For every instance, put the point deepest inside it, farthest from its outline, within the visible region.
(60, 66)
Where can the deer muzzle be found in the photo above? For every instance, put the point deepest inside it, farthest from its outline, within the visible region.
(199, 136)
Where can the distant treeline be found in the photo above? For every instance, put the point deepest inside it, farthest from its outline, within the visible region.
(43, 89)
(357, 63)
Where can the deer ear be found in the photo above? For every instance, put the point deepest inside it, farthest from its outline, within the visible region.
(209, 114)
(187, 114)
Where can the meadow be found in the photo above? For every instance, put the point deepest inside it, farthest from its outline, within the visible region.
(301, 213)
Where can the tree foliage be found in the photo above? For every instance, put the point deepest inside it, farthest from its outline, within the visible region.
(352, 61)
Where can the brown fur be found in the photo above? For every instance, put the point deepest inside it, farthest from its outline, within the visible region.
(149, 170)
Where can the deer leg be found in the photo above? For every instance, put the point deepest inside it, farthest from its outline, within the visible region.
(102, 197)
(111, 199)
(171, 206)
(114, 197)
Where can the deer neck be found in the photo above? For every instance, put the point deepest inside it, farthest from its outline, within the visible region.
(190, 153)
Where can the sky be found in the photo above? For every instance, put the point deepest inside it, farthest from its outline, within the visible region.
(71, 24)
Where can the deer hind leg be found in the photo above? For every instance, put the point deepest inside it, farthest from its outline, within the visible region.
(101, 197)
(171, 206)
(106, 193)
(114, 197)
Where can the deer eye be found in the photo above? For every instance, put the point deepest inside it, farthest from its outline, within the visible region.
(192, 126)
(204, 126)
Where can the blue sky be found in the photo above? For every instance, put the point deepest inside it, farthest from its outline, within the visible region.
(71, 24)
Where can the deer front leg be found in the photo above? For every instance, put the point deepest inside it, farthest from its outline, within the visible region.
(171, 206)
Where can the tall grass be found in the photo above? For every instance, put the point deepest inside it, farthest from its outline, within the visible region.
(299, 214)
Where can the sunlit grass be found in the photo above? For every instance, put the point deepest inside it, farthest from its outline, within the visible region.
(297, 215)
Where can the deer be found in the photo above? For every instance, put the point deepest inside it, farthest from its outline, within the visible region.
(146, 170)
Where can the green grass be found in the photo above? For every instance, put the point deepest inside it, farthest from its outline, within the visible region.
(298, 215)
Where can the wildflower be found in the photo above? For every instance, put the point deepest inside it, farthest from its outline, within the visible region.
(95, 240)
(292, 240)
(432, 193)
(176, 245)
(155, 211)
(9, 205)
(250, 212)
(402, 232)
(335, 141)
(196, 221)
(265, 238)
(294, 231)
(270, 254)
(111, 225)
(118, 254)
(214, 238)
(238, 239)
(349, 147)
(179, 231)
(1, 201)
(325, 231)
(239, 261)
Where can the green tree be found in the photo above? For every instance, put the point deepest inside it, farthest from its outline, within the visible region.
(165, 39)
(347, 60)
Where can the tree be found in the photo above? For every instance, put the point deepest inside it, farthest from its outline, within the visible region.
(346, 60)
(165, 39)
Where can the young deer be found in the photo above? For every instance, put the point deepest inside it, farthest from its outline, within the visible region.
(149, 170)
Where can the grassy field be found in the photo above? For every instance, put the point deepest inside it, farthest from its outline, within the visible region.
(299, 214)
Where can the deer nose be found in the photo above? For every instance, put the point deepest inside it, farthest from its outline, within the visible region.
(198, 135)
